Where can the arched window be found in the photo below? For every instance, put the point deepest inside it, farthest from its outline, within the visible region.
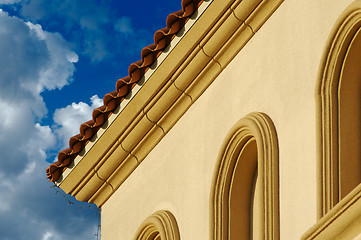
(339, 102)
(161, 225)
(245, 190)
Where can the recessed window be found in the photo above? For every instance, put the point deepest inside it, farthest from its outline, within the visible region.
(339, 101)
(161, 225)
(245, 194)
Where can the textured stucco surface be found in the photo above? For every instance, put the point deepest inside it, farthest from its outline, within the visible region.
(275, 73)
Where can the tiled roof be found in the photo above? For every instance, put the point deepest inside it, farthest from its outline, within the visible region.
(149, 54)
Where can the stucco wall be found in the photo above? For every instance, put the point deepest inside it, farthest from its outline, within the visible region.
(275, 73)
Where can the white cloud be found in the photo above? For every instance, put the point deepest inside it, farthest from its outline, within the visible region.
(47, 236)
(123, 25)
(69, 119)
(45, 139)
(95, 48)
(86, 21)
(60, 67)
(9, 120)
(28, 203)
(96, 101)
(32, 61)
(9, 1)
(97, 30)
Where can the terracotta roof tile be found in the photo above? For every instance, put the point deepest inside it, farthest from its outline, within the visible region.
(162, 37)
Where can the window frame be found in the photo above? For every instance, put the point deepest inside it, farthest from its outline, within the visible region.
(260, 127)
(161, 223)
(328, 98)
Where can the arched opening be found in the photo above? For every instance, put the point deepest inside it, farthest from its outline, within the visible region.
(245, 194)
(339, 101)
(161, 225)
(153, 236)
(349, 109)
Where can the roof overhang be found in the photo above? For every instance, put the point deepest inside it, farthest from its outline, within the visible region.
(216, 32)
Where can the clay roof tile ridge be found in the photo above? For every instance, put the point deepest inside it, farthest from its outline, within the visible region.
(175, 21)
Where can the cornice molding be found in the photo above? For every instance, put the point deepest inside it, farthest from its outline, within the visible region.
(209, 41)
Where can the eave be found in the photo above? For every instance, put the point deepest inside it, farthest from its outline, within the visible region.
(194, 58)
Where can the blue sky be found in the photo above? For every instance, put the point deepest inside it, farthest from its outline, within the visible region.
(58, 58)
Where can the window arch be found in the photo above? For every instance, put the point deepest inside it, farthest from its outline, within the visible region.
(339, 103)
(247, 174)
(161, 225)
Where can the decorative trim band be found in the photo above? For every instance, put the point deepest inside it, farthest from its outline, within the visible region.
(201, 52)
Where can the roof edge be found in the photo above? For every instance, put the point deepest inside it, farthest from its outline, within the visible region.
(162, 38)
(128, 99)
(201, 53)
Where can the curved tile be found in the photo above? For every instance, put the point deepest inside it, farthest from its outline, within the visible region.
(175, 21)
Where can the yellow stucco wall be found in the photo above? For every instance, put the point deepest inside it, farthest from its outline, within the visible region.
(275, 73)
